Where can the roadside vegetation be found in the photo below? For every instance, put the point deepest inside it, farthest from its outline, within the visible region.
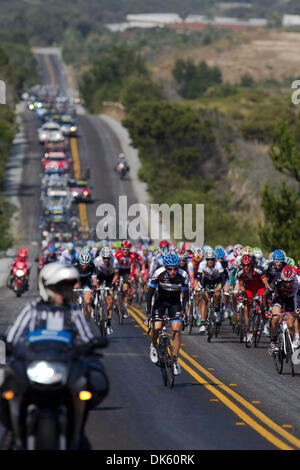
(18, 71)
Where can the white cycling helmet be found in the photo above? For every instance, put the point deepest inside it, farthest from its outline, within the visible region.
(209, 253)
(52, 274)
(106, 252)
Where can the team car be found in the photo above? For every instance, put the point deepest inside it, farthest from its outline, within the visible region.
(79, 190)
(50, 132)
(68, 125)
(56, 162)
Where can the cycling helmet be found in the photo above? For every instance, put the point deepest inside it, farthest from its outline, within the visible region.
(52, 249)
(257, 253)
(52, 274)
(145, 248)
(247, 250)
(205, 246)
(126, 244)
(182, 254)
(164, 244)
(210, 253)
(237, 250)
(198, 254)
(278, 255)
(220, 253)
(70, 246)
(173, 247)
(246, 260)
(290, 261)
(84, 258)
(106, 252)
(229, 249)
(171, 260)
(288, 273)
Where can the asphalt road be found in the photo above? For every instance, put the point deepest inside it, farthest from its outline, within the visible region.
(228, 397)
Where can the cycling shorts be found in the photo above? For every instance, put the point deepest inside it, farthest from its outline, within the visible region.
(107, 279)
(254, 287)
(287, 304)
(162, 307)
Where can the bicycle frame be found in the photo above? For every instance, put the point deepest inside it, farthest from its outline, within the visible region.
(165, 352)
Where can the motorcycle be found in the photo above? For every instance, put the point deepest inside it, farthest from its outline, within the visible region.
(48, 391)
(122, 168)
(19, 280)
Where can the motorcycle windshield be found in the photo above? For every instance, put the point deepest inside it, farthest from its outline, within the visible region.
(42, 335)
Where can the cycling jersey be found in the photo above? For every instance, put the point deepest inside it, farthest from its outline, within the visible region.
(85, 275)
(106, 269)
(169, 289)
(272, 272)
(210, 273)
(126, 262)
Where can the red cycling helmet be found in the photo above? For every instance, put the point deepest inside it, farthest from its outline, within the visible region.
(126, 244)
(182, 254)
(246, 260)
(288, 273)
(164, 244)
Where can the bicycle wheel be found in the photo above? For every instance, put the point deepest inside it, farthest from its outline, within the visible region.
(219, 322)
(103, 319)
(289, 351)
(211, 323)
(241, 324)
(251, 333)
(120, 308)
(166, 362)
(191, 318)
(258, 330)
(278, 360)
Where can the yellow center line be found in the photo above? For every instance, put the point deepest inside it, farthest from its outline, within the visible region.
(265, 433)
(50, 70)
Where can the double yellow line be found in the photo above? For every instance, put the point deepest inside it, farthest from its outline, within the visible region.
(75, 154)
(216, 387)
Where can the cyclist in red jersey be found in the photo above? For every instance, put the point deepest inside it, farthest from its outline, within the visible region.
(252, 280)
(127, 264)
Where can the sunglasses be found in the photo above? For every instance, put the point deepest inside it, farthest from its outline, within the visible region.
(172, 269)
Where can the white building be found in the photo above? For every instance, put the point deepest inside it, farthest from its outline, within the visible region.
(291, 20)
(154, 18)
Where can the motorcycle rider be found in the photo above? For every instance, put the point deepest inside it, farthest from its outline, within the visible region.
(53, 310)
(21, 262)
(122, 161)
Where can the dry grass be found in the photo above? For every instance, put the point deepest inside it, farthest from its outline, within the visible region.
(262, 54)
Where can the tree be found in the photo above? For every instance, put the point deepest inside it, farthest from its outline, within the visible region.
(282, 209)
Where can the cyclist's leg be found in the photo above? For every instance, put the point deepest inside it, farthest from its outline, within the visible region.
(87, 299)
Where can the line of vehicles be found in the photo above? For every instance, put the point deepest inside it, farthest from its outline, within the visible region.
(60, 190)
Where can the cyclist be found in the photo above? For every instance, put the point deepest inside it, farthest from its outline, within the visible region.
(275, 266)
(107, 271)
(211, 275)
(252, 281)
(127, 261)
(183, 256)
(170, 281)
(157, 260)
(222, 258)
(87, 280)
(259, 257)
(284, 290)
(193, 266)
(69, 255)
